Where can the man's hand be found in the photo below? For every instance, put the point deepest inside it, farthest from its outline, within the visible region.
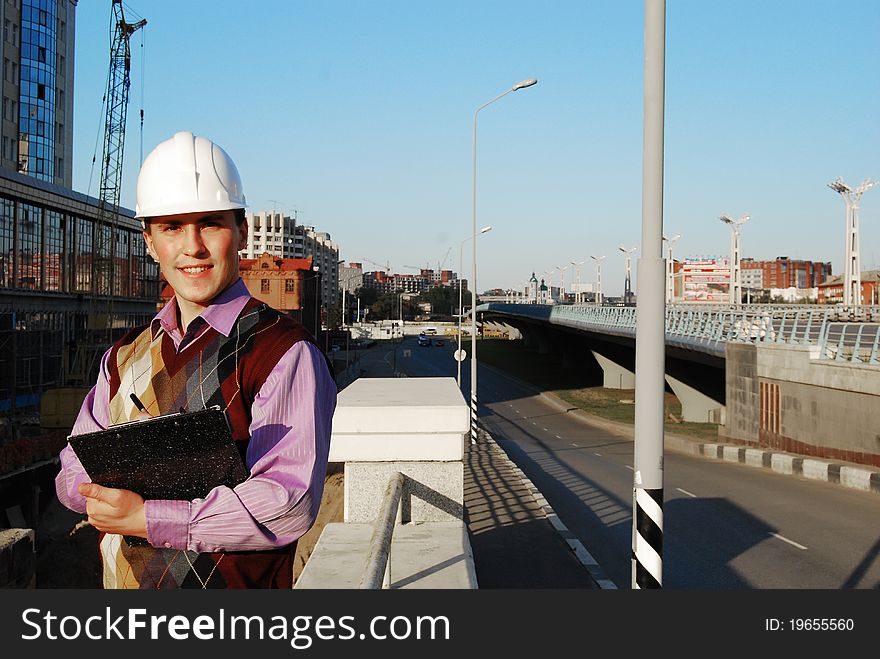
(114, 511)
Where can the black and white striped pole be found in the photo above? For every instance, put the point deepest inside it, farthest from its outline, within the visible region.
(647, 535)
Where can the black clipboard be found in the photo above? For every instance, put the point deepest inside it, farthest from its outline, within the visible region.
(174, 456)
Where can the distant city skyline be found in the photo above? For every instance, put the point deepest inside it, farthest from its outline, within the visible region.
(358, 117)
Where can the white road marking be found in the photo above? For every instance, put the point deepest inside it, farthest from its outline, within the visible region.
(686, 492)
(628, 467)
(784, 539)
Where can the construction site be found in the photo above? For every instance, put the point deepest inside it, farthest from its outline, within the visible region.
(74, 271)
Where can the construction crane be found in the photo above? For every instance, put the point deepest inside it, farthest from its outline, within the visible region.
(443, 262)
(385, 268)
(103, 272)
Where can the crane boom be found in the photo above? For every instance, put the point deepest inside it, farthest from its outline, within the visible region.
(104, 282)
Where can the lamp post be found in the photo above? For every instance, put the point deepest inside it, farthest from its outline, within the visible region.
(627, 286)
(460, 302)
(344, 290)
(598, 260)
(562, 270)
(578, 296)
(735, 283)
(852, 275)
(670, 269)
(520, 85)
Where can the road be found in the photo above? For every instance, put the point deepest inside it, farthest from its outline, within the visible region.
(726, 525)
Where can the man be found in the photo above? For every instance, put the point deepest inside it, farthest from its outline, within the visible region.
(212, 344)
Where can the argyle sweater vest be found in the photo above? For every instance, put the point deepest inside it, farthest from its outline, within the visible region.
(212, 370)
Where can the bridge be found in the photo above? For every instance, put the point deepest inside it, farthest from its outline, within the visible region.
(795, 377)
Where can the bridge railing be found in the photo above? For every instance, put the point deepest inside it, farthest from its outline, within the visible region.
(841, 333)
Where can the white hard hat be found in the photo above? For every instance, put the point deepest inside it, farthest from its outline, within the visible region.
(187, 174)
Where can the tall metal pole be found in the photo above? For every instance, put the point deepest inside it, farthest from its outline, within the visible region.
(519, 85)
(735, 280)
(598, 294)
(460, 311)
(627, 287)
(460, 266)
(647, 529)
(852, 274)
(670, 269)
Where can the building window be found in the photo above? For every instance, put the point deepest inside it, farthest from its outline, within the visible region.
(289, 285)
(264, 286)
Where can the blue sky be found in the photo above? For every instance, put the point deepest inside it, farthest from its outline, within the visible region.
(359, 116)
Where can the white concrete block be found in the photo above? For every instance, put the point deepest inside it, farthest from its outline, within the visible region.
(784, 464)
(432, 491)
(754, 457)
(434, 447)
(815, 469)
(391, 419)
(854, 477)
(424, 555)
(420, 405)
(730, 453)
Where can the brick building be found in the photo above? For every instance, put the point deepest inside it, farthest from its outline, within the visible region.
(831, 291)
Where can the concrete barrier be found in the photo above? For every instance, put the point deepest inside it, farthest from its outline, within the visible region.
(416, 427)
(17, 558)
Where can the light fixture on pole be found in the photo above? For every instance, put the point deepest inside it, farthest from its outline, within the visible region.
(852, 275)
(562, 270)
(473, 426)
(735, 281)
(598, 294)
(578, 296)
(459, 357)
(670, 269)
(627, 286)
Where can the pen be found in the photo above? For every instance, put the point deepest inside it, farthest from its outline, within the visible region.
(138, 403)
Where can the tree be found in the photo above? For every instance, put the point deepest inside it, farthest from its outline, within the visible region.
(333, 317)
(443, 299)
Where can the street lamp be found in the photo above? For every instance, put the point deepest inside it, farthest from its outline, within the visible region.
(562, 282)
(735, 283)
(852, 274)
(460, 302)
(670, 269)
(520, 85)
(627, 286)
(578, 296)
(598, 260)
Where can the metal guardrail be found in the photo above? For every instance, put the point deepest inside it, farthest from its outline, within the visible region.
(840, 333)
(380, 542)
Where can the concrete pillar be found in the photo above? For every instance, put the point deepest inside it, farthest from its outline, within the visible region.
(512, 332)
(695, 405)
(529, 338)
(545, 345)
(615, 376)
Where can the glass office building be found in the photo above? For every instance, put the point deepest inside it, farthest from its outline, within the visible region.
(37, 115)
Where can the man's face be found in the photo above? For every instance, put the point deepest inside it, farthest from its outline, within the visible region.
(198, 254)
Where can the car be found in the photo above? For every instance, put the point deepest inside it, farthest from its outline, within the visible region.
(424, 340)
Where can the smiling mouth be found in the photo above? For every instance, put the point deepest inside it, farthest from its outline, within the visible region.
(194, 269)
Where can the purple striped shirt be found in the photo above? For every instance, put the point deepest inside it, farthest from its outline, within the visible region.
(286, 455)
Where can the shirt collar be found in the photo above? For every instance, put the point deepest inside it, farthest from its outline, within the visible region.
(221, 314)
